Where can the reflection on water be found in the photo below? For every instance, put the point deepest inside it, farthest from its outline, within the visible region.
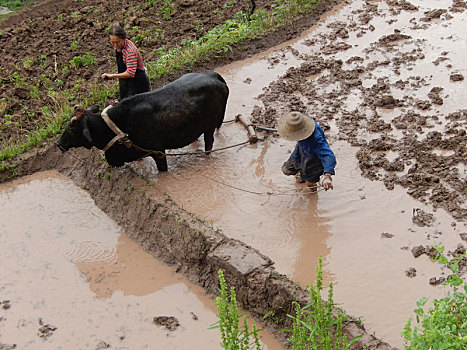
(73, 281)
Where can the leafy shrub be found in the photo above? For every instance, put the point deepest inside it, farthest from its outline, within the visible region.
(443, 325)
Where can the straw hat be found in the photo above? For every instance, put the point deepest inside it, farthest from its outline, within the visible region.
(295, 126)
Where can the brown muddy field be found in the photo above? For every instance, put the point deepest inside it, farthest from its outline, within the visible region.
(408, 130)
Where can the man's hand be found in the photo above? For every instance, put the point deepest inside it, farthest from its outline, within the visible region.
(327, 182)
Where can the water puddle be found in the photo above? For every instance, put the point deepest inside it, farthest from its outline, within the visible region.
(73, 280)
(363, 231)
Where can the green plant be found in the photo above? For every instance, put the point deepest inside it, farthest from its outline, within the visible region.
(34, 92)
(166, 9)
(443, 325)
(27, 63)
(82, 61)
(233, 336)
(317, 325)
(18, 79)
(74, 45)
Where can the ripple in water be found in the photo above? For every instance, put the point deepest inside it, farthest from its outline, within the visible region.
(89, 252)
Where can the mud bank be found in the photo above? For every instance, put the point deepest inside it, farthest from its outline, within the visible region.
(182, 240)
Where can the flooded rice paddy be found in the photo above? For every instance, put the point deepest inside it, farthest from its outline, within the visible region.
(72, 280)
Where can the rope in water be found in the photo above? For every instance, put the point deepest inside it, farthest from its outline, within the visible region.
(289, 192)
(267, 193)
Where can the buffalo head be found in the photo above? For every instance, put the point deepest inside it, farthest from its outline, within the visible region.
(77, 133)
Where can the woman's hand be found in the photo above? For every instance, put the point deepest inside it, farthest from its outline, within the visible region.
(106, 76)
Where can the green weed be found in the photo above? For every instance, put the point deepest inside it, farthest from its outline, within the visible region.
(82, 61)
(317, 325)
(16, 5)
(27, 63)
(233, 336)
(18, 79)
(166, 9)
(74, 45)
(34, 92)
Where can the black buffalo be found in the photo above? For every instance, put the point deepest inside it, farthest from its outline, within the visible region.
(170, 117)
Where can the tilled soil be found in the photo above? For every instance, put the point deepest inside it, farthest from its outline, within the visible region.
(40, 49)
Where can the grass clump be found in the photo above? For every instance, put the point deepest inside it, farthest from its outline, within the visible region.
(16, 5)
(234, 336)
(53, 124)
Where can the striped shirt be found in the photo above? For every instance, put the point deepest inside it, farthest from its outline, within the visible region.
(131, 57)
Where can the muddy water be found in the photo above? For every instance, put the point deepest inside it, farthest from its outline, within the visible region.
(363, 231)
(74, 281)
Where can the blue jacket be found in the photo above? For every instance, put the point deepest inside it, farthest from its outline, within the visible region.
(313, 156)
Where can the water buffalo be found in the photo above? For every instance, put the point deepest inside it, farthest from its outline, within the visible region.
(172, 116)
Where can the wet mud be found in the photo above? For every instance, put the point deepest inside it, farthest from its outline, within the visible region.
(388, 95)
(179, 238)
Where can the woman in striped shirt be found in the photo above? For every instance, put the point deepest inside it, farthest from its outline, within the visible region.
(131, 72)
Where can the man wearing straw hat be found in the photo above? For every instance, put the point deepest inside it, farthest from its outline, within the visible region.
(312, 156)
